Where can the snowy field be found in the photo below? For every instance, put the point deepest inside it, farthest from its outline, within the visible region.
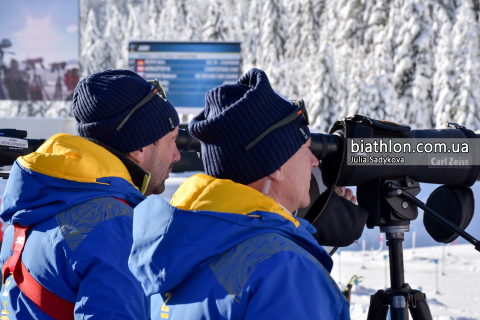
(452, 288)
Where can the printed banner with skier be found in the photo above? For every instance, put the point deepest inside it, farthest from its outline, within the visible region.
(38, 50)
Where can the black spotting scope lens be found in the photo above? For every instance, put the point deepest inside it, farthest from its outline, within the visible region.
(186, 143)
(325, 145)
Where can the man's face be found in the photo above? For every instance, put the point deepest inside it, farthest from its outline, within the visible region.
(159, 160)
(298, 171)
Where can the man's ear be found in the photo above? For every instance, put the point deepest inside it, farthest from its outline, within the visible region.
(277, 176)
(138, 156)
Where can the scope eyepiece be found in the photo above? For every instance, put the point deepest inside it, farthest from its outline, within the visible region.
(325, 145)
(186, 143)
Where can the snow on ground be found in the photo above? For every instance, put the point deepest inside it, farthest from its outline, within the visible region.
(452, 290)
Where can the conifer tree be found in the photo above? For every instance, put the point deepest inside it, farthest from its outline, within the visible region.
(115, 32)
(252, 35)
(445, 82)
(90, 55)
(273, 35)
(173, 20)
(466, 105)
(217, 25)
(322, 96)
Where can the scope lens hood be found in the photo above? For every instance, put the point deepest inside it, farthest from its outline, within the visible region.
(454, 203)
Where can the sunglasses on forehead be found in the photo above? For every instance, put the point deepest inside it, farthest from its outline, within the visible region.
(301, 111)
(157, 88)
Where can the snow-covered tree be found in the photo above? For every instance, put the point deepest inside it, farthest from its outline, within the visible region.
(217, 26)
(322, 96)
(413, 61)
(90, 56)
(172, 20)
(137, 28)
(154, 20)
(115, 31)
(273, 35)
(464, 108)
(251, 42)
(445, 78)
(193, 22)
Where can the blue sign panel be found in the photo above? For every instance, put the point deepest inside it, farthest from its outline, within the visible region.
(186, 70)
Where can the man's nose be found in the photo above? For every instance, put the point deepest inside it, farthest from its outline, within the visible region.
(314, 160)
(176, 155)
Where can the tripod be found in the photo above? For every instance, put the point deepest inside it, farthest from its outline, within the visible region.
(397, 209)
(400, 297)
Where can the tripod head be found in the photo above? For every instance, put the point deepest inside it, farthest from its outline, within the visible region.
(5, 43)
(381, 198)
(31, 64)
(57, 66)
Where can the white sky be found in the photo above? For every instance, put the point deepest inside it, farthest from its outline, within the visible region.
(40, 38)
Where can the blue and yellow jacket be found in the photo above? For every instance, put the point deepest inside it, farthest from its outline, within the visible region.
(223, 250)
(81, 237)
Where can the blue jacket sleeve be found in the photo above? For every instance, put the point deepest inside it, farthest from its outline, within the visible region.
(294, 286)
(108, 290)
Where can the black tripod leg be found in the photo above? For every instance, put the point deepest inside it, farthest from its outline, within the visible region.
(419, 308)
(399, 309)
(378, 310)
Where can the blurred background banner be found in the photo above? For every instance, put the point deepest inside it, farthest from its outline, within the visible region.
(38, 50)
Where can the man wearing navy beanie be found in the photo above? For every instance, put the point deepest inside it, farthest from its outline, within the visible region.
(71, 203)
(229, 246)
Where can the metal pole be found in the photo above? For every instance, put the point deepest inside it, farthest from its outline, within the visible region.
(397, 278)
(385, 258)
(363, 251)
(339, 266)
(413, 240)
(443, 259)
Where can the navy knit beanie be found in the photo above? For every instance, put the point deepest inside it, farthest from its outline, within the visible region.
(236, 114)
(102, 100)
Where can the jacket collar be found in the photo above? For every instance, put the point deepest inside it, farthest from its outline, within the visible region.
(140, 177)
(206, 193)
(77, 159)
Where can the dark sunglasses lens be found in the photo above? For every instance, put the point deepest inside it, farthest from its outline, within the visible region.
(301, 104)
(156, 85)
(305, 115)
(161, 91)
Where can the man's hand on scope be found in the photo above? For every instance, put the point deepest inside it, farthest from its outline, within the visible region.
(347, 193)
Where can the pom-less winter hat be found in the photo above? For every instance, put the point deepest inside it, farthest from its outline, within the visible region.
(236, 114)
(102, 100)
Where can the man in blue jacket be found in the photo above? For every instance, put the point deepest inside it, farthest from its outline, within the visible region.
(229, 245)
(71, 203)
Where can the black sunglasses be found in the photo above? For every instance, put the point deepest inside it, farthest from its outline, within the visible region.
(301, 111)
(157, 87)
